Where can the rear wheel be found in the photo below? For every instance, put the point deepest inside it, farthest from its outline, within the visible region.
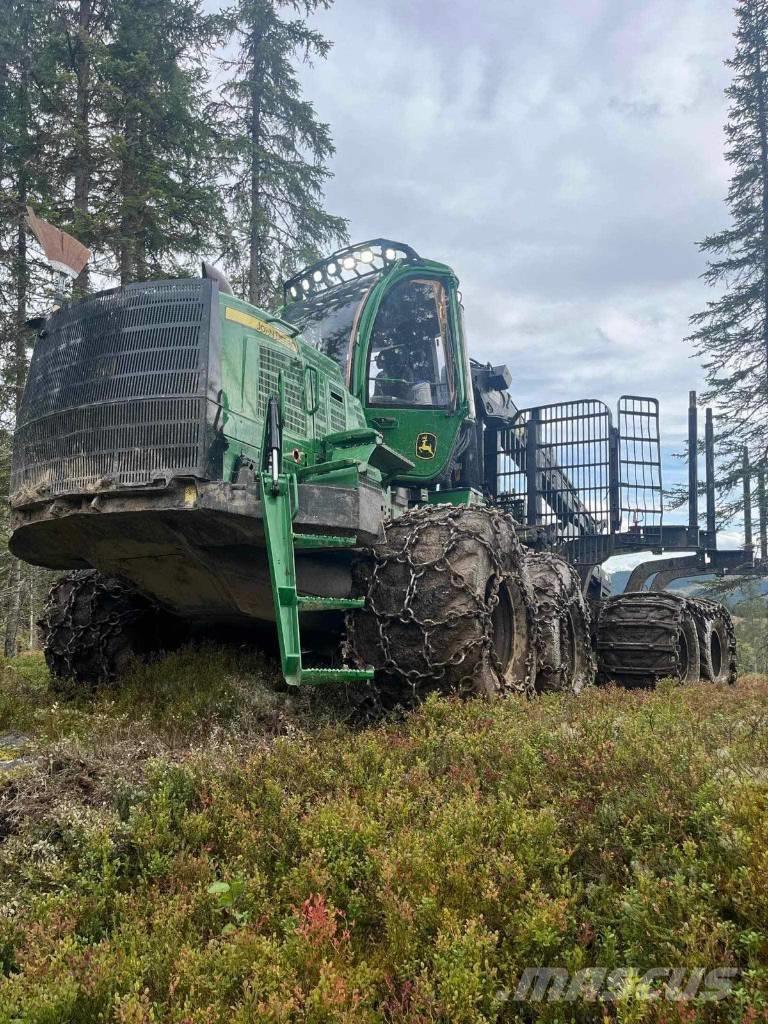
(565, 660)
(448, 605)
(93, 626)
(646, 636)
(717, 640)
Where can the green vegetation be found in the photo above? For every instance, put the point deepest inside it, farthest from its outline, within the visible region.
(750, 616)
(200, 847)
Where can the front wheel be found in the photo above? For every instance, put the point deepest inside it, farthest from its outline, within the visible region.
(448, 605)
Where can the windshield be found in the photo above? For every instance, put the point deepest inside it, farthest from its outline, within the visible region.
(326, 320)
(408, 361)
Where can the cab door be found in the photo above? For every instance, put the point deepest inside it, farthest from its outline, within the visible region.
(407, 374)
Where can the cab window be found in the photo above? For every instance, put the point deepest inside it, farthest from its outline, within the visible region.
(326, 320)
(408, 361)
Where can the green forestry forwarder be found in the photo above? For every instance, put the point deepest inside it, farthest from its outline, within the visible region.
(332, 470)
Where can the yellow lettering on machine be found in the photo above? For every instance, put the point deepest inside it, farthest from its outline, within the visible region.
(262, 326)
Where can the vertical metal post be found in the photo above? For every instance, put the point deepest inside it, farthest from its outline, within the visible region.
(693, 470)
(491, 459)
(747, 482)
(762, 513)
(709, 453)
(614, 477)
(531, 468)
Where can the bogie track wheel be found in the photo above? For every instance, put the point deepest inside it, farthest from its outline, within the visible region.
(565, 659)
(94, 625)
(646, 636)
(448, 605)
(717, 640)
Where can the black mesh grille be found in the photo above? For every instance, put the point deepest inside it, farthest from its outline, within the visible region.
(117, 390)
(271, 364)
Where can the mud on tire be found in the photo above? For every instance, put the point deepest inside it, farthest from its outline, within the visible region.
(449, 605)
(645, 636)
(565, 661)
(94, 625)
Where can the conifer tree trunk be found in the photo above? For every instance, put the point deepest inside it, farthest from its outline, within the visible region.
(13, 606)
(21, 274)
(22, 290)
(13, 609)
(33, 606)
(254, 248)
(127, 219)
(82, 165)
(36, 150)
(763, 136)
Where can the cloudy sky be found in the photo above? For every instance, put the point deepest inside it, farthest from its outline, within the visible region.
(563, 157)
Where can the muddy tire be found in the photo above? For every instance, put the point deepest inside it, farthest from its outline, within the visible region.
(448, 606)
(646, 636)
(565, 661)
(93, 626)
(717, 640)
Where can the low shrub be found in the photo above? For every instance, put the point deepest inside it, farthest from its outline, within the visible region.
(408, 872)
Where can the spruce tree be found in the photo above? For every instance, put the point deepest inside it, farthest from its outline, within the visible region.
(731, 334)
(277, 148)
(160, 203)
(28, 175)
(80, 36)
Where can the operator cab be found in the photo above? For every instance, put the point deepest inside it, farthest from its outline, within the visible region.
(392, 322)
(326, 299)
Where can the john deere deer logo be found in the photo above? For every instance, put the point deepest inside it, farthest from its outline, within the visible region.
(426, 446)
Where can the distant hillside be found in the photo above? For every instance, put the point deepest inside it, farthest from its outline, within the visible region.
(694, 586)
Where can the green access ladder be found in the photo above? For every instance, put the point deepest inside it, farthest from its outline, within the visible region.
(279, 501)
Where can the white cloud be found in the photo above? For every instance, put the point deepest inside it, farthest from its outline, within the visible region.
(564, 158)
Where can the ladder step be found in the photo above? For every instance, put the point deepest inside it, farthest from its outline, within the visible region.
(318, 676)
(329, 604)
(318, 541)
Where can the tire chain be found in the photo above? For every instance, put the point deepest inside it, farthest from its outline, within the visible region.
(480, 607)
(562, 604)
(68, 643)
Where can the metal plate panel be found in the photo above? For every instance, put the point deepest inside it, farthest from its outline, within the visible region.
(117, 391)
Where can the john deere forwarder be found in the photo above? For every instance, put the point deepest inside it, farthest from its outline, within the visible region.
(343, 470)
